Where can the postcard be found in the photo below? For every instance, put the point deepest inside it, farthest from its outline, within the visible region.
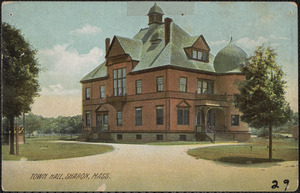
(149, 96)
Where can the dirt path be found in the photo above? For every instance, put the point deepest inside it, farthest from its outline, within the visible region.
(147, 168)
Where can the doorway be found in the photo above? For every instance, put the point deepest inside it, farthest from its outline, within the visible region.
(102, 122)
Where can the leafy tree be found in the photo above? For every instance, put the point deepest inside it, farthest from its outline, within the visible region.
(262, 93)
(20, 73)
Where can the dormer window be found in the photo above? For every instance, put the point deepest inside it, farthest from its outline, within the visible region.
(200, 55)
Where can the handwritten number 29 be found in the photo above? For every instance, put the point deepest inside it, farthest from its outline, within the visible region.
(275, 184)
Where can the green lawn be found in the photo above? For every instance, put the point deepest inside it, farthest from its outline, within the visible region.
(45, 149)
(283, 150)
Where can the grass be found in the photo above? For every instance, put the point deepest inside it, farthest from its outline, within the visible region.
(283, 150)
(45, 149)
(186, 142)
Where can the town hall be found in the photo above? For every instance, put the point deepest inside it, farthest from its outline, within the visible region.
(163, 85)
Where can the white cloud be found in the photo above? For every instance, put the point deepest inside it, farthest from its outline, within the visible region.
(267, 18)
(86, 30)
(58, 89)
(251, 43)
(65, 67)
(279, 38)
(213, 43)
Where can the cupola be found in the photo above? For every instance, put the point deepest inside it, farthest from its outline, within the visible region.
(155, 15)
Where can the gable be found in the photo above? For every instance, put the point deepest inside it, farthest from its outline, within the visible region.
(184, 104)
(102, 108)
(115, 49)
(201, 44)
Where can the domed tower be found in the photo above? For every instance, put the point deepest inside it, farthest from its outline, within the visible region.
(229, 58)
(155, 14)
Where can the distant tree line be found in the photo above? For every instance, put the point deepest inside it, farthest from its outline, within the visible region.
(43, 125)
(286, 128)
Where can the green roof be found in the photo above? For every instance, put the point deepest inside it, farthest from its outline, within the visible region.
(155, 9)
(149, 49)
(171, 55)
(132, 47)
(229, 59)
(99, 72)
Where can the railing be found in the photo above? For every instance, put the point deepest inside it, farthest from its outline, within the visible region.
(211, 97)
(210, 131)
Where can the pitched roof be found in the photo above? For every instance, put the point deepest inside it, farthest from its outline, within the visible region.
(173, 53)
(148, 47)
(132, 47)
(99, 72)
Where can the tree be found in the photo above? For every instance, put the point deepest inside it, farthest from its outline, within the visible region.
(20, 73)
(262, 93)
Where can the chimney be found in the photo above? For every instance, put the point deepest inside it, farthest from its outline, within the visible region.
(107, 42)
(167, 30)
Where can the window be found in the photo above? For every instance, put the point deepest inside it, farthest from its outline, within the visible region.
(102, 92)
(119, 136)
(194, 54)
(205, 56)
(119, 84)
(200, 55)
(88, 119)
(182, 84)
(87, 93)
(138, 136)
(235, 119)
(159, 84)
(119, 118)
(159, 115)
(182, 137)
(200, 117)
(182, 116)
(159, 137)
(138, 116)
(205, 87)
(138, 85)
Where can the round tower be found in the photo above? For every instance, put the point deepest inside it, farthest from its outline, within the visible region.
(229, 58)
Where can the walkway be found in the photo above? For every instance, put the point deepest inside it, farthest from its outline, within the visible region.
(147, 168)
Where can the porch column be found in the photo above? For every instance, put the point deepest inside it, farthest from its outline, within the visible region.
(225, 119)
(205, 117)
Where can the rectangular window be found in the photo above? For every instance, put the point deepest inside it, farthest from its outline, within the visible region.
(88, 119)
(138, 85)
(194, 54)
(235, 119)
(138, 136)
(182, 116)
(119, 82)
(138, 116)
(205, 87)
(199, 55)
(102, 92)
(87, 93)
(159, 84)
(159, 137)
(205, 56)
(159, 115)
(119, 136)
(182, 137)
(119, 118)
(182, 84)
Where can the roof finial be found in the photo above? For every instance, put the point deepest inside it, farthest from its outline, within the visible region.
(230, 37)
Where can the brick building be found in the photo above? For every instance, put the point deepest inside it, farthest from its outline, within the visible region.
(163, 84)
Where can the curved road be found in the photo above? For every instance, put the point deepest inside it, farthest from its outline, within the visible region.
(147, 168)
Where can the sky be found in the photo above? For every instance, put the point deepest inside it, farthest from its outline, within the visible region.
(69, 38)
